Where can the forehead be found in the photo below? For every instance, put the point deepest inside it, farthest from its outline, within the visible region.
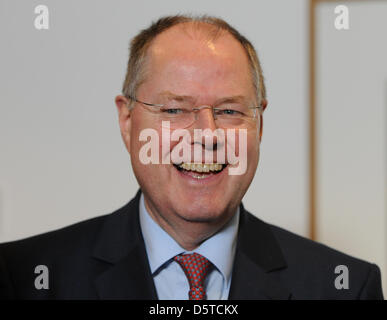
(191, 53)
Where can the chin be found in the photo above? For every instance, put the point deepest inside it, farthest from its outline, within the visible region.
(203, 213)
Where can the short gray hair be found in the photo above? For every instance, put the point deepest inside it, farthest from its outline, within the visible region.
(135, 74)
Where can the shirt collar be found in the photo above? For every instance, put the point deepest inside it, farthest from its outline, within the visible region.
(161, 247)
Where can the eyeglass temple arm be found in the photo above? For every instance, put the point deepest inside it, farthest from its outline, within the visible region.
(147, 104)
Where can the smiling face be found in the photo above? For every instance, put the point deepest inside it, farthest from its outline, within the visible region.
(190, 65)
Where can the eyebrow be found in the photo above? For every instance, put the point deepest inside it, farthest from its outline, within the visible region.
(171, 95)
(231, 99)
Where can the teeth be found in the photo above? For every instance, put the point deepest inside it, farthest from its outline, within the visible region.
(201, 167)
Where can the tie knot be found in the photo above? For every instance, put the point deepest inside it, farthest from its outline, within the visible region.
(196, 268)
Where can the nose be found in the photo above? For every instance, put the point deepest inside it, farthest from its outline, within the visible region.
(205, 121)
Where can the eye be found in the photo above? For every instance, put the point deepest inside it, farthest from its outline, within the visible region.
(228, 112)
(172, 110)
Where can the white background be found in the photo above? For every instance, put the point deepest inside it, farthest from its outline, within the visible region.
(352, 131)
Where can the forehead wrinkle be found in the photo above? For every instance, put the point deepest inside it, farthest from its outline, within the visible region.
(229, 99)
(171, 95)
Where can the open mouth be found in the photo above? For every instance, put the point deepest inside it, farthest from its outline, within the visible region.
(200, 170)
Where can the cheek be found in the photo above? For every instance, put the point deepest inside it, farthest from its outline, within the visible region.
(241, 143)
(143, 136)
(165, 144)
(253, 147)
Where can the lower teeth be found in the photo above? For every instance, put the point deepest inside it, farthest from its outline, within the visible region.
(198, 176)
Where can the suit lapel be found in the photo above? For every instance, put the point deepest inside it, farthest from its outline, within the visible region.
(128, 279)
(121, 248)
(125, 271)
(258, 257)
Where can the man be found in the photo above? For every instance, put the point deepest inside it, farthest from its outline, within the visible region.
(186, 234)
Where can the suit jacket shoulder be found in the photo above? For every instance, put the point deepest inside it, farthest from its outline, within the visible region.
(316, 271)
(103, 257)
(61, 251)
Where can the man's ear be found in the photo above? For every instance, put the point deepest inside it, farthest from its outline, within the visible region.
(124, 119)
(264, 105)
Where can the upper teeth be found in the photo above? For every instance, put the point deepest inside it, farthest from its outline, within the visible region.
(201, 167)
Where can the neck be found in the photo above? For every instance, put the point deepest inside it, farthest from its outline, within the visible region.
(188, 234)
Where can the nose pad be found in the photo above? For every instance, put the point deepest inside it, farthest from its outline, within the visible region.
(205, 118)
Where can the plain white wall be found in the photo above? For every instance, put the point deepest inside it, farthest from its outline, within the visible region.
(61, 155)
(352, 131)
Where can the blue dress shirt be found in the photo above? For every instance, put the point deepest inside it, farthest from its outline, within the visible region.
(170, 281)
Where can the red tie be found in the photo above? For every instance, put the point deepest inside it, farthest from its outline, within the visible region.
(196, 268)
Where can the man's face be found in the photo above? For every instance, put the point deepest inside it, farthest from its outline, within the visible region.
(207, 71)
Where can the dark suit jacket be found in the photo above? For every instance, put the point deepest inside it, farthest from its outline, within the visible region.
(105, 258)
